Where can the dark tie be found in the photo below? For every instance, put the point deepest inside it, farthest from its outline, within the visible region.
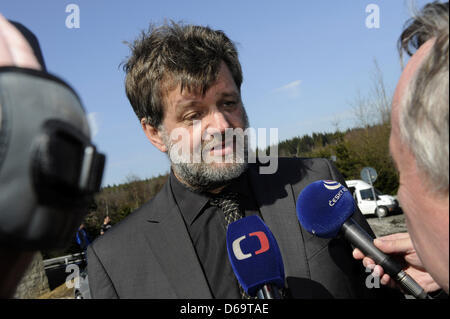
(229, 204)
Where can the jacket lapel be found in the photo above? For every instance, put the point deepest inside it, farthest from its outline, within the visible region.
(169, 240)
(276, 202)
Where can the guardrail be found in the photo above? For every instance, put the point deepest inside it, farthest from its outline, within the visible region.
(63, 260)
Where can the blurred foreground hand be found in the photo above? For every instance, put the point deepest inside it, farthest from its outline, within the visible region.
(14, 48)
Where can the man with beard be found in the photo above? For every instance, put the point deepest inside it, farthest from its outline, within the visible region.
(183, 83)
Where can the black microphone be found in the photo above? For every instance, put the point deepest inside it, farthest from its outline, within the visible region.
(255, 257)
(324, 208)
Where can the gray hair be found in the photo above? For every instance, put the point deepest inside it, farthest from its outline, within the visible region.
(424, 115)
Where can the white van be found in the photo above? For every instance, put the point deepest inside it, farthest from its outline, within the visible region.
(363, 195)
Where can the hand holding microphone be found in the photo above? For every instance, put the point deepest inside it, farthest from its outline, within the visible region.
(399, 244)
(325, 209)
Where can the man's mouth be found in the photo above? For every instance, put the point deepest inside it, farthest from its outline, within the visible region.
(221, 149)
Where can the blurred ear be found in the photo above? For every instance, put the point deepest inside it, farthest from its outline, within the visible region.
(153, 135)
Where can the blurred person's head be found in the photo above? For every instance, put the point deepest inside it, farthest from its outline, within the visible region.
(419, 141)
(106, 220)
(184, 81)
(49, 170)
(13, 262)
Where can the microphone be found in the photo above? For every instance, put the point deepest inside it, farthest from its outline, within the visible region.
(324, 208)
(255, 257)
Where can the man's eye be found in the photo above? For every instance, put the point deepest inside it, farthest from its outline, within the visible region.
(192, 116)
(230, 104)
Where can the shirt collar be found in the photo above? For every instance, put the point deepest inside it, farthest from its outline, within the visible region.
(191, 203)
(239, 185)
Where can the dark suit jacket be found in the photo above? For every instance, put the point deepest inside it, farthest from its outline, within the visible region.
(150, 255)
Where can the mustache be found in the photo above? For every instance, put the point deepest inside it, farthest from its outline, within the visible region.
(220, 140)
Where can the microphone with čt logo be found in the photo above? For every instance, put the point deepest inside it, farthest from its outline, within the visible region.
(255, 257)
(324, 208)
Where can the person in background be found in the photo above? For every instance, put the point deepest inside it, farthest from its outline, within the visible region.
(106, 225)
(82, 238)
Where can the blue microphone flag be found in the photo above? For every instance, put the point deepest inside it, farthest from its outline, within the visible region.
(254, 254)
(323, 207)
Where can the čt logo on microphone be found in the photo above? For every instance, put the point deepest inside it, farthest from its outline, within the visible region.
(331, 185)
(263, 240)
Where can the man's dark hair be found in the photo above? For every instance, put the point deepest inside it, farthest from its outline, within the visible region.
(171, 55)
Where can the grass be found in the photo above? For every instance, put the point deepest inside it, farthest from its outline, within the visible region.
(61, 292)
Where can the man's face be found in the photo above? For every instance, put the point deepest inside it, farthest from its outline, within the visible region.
(426, 222)
(196, 124)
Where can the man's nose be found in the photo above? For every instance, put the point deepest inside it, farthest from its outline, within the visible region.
(218, 122)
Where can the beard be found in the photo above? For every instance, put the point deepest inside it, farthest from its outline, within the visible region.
(212, 171)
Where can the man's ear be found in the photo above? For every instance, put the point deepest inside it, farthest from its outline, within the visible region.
(153, 135)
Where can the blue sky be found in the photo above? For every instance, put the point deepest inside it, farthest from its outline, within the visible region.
(303, 61)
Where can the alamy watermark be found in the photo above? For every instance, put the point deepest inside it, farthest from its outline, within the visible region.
(231, 145)
(372, 280)
(373, 19)
(73, 19)
(73, 279)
